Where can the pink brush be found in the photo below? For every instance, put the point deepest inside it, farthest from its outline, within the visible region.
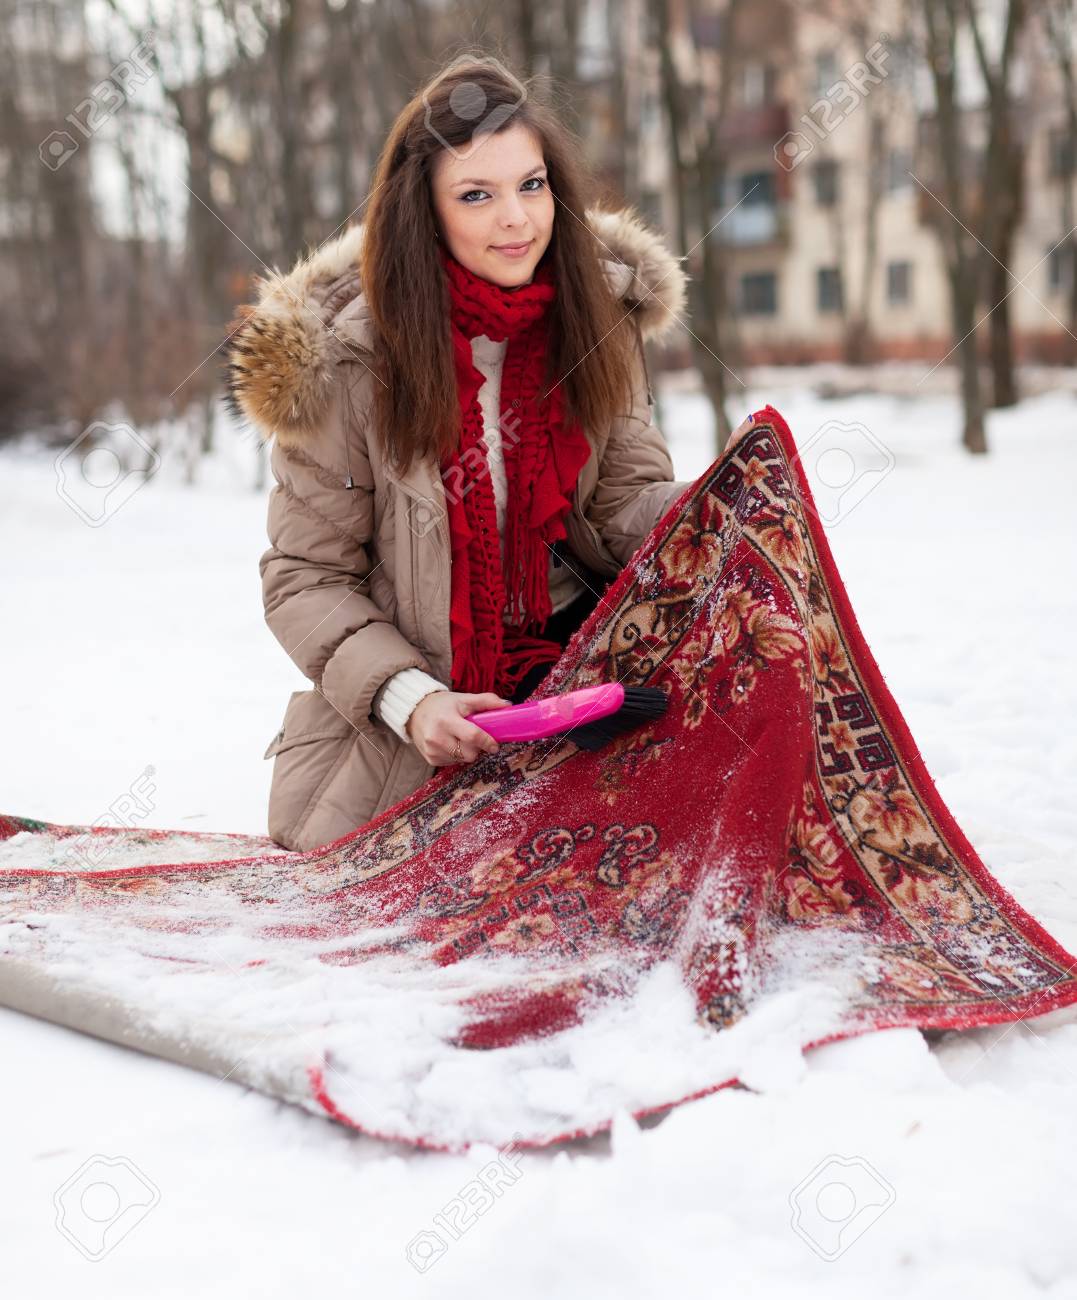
(594, 714)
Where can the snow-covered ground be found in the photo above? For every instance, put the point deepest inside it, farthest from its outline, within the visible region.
(880, 1163)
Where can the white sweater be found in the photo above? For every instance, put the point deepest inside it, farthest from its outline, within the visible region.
(397, 697)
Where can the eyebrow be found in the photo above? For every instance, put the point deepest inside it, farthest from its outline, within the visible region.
(540, 168)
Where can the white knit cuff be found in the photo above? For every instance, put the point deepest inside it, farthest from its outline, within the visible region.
(395, 699)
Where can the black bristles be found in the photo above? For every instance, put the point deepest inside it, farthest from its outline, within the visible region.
(641, 704)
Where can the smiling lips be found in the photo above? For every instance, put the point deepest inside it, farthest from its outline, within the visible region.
(513, 250)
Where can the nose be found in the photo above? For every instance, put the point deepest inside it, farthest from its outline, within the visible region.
(513, 214)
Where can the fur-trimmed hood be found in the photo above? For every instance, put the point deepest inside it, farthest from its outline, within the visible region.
(280, 360)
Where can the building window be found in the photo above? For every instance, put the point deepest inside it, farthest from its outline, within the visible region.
(1060, 154)
(898, 167)
(1059, 264)
(825, 176)
(759, 294)
(707, 30)
(828, 288)
(898, 283)
(756, 187)
(826, 72)
(756, 84)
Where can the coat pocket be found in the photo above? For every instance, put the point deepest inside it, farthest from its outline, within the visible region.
(309, 716)
(306, 751)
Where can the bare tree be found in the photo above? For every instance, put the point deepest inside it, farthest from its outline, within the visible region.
(1002, 191)
(697, 173)
(942, 20)
(1060, 18)
(50, 261)
(861, 23)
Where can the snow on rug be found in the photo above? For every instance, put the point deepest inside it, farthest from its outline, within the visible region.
(529, 944)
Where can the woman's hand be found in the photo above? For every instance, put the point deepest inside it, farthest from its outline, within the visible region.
(438, 723)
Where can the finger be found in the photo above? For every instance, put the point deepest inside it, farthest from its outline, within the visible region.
(468, 741)
(455, 745)
(480, 700)
(481, 740)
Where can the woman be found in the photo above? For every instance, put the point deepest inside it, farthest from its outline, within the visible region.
(463, 443)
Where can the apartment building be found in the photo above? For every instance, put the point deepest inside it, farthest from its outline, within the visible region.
(828, 218)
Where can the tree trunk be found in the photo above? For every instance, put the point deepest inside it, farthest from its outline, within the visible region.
(1001, 193)
(695, 179)
(973, 437)
(1003, 374)
(942, 21)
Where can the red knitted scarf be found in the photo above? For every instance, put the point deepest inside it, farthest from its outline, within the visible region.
(543, 457)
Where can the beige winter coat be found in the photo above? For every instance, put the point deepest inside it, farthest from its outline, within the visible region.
(356, 582)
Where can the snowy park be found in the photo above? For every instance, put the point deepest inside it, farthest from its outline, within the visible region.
(960, 573)
(539, 649)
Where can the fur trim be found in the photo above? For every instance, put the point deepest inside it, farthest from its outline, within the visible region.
(282, 351)
(657, 287)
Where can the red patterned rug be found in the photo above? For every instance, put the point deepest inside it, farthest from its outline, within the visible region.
(528, 945)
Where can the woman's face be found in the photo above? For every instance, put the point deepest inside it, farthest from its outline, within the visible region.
(496, 195)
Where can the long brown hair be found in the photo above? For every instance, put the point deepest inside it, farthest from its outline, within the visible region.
(415, 410)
